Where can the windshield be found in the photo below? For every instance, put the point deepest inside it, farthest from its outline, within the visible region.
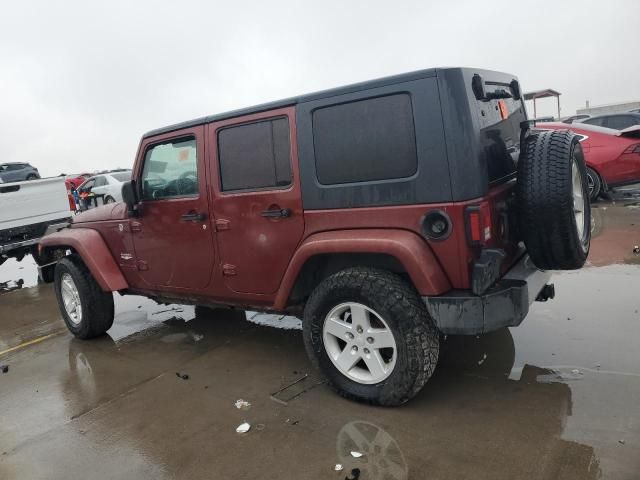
(122, 176)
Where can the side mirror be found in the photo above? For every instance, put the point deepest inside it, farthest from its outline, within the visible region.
(130, 196)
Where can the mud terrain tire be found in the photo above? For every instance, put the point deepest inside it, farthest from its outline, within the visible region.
(97, 306)
(554, 217)
(401, 308)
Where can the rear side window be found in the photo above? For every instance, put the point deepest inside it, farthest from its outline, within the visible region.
(170, 170)
(620, 122)
(100, 182)
(255, 156)
(365, 140)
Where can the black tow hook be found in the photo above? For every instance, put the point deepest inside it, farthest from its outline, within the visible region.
(548, 292)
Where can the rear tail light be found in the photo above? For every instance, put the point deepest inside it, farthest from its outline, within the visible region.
(635, 148)
(478, 223)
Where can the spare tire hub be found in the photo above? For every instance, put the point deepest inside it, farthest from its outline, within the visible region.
(578, 198)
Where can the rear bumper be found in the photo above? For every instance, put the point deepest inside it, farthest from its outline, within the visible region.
(460, 312)
(29, 235)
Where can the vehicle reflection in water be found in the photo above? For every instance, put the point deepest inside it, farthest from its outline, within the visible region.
(471, 419)
(381, 458)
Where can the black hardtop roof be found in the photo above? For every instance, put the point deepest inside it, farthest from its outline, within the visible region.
(379, 82)
(287, 102)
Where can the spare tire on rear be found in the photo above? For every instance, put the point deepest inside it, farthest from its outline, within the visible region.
(553, 200)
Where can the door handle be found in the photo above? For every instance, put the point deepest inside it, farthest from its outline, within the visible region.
(194, 217)
(277, 213)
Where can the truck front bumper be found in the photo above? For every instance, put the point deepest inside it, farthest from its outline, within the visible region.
(505, 304)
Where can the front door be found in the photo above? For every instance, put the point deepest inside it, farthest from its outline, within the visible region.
(172, 235)
(256, 188)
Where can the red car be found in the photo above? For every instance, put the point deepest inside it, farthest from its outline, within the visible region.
(612, 156)
(74, 181)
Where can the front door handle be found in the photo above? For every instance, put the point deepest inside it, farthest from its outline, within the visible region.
(194, 217)
(277, 213)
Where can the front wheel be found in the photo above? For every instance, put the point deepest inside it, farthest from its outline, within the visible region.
(370, 334)
(594, 183)
(86, 309)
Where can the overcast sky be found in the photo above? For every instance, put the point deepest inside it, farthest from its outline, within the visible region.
(80, 81)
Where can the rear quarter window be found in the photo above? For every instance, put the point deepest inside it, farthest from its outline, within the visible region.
(365, 140)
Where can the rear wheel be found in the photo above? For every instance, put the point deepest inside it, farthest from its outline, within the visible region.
(594, 183)
(86, 309)
(553, 199)
(32, 176)
(370, 334)
(109, 200)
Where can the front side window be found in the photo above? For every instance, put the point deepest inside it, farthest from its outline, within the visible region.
(598, 121)
(255, 156)
(100, 182)
(170, 170)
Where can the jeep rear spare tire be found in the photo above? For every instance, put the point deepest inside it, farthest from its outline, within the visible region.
(553, 200)
(370, 334)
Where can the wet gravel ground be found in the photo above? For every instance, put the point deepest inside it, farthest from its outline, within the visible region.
(556, 398)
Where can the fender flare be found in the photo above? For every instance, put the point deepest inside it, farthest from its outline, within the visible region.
(408, 248)
(95, 254)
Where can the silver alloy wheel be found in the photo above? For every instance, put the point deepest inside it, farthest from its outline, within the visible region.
(71, 298)
(359, 343)
(590, 181)
(578, 199)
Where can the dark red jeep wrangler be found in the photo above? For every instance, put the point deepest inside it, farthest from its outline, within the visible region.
(385, 213)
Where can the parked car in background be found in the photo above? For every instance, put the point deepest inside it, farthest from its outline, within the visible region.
(612, 156)
(18, 172)
(616, 121)
(75, 180)
(27, 211)
(574, 118)
(635, 110)
(107, 185)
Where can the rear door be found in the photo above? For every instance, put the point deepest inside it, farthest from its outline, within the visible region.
(256, 198)
(172, 234)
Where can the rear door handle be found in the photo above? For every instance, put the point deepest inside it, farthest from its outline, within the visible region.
(277, 213)
(194, 217)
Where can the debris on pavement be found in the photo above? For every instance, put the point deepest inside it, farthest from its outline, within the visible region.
(575, 371)
(242, 404)
(636, 250)
(183, 376)
(243, 428)
(621, 442)
(356, 454)
(4, 368)
(293, 390)
(338, 467)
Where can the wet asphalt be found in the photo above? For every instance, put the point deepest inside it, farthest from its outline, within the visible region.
(556, 398)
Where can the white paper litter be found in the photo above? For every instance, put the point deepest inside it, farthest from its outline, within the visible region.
(242, 404)
(243, 428)
(338, 467)
(356, 454)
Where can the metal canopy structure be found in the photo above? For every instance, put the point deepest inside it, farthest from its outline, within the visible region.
(546, 93)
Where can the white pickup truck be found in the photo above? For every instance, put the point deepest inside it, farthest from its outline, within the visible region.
(27, 211)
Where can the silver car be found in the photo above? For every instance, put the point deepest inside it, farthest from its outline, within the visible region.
(17, 172)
